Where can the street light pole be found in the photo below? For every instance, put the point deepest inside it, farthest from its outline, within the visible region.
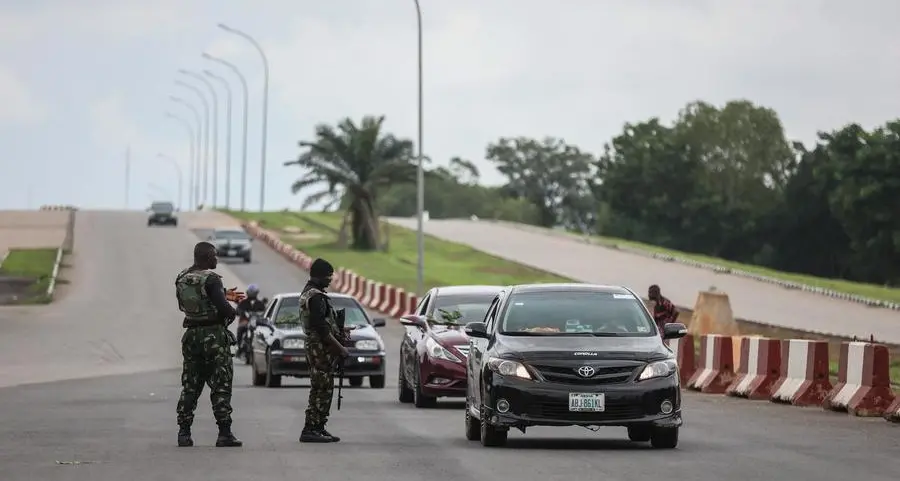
(198, 166)
(190, 129)
(215, 131)
(227, 136)
(179, 172)
(420, 174)
(265, 111)
(244, 133)
(204, 168)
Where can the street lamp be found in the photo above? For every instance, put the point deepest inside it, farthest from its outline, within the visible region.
(244, 134)
(190, 130)
(178, 171)
(215, 130)
(420, 175)
(227, 136)
(265, 111)
(197, 164)
(204, 168)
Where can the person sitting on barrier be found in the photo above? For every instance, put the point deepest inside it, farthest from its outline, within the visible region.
(664, 312)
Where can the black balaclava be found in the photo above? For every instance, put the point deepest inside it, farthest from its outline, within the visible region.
(320, 273)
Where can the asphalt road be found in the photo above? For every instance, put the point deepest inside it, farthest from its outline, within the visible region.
(752, 300)
(123, 427)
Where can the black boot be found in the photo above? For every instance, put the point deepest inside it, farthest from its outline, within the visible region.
(226, 437)
(314, 435)
(334, 438)
(184, 436)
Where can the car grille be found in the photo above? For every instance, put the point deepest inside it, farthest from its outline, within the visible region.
(560, 410)
(603, 375)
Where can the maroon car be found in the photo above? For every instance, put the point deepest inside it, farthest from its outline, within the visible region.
(433, 351)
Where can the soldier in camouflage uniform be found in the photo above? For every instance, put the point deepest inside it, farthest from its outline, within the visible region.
(323, 351)
(206, 344)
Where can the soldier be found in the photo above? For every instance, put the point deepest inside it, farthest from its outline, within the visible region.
(206, 344)
(323, 351)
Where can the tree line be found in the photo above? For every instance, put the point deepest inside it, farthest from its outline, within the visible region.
(719, 181)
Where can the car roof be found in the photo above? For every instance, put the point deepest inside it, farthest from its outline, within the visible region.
(333, 295)
(464, 290)
(569, 287)
(229, 229)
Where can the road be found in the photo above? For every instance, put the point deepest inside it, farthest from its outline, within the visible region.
(751, 300)
(122, 426)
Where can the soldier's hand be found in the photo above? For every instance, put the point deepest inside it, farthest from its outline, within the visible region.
(347, 330)
(234, 295)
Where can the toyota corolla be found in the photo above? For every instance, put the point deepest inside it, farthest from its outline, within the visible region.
(571, 354)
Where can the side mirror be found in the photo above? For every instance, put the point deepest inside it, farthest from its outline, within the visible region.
(414, 321)
(379, 322)
(476, 329)
(674, 330)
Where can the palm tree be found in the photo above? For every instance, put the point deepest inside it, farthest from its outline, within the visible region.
(351, 164)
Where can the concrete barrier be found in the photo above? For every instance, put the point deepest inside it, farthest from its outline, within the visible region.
(398, 307)
(759, 369)
(803, 380)
(715, 369)
(368, 293)
(411, 301)
(713, 315)
(892, 413)
(684, 356)
(384, 298)
(864, 380)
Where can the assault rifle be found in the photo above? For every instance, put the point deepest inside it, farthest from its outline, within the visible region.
(341, 320)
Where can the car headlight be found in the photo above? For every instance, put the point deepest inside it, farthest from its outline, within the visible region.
(293, 344)
(436, 351)
(367, 345)
(505, 367)
(658, 369)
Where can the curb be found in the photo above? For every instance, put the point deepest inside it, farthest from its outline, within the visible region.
(52, 287)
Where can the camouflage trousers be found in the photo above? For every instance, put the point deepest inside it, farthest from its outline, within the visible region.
(321, 381)
(207, 361)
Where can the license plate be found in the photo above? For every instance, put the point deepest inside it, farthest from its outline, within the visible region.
(298, 359)
(231, 253)
(587, 402)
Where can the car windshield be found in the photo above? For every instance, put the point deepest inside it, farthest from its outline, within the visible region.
(230, 234)
(162, 207)
(576, 313)
(289, 311)
(458, 309)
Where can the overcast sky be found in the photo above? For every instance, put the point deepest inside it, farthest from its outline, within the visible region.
(82, 80)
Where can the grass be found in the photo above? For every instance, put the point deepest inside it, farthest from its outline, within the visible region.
(447, 263)
(872, 291)
(34, 263)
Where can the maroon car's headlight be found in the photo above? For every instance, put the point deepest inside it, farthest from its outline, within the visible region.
(437, 351)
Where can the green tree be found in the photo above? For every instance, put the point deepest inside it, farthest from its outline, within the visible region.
(350, 165)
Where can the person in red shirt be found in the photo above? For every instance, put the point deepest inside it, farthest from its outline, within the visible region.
(664, 312)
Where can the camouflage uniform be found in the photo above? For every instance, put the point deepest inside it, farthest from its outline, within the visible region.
(321, 364)
(205, 347)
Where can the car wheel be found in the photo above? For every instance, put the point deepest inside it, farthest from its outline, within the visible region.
(376, 382)
(420, 400)
(271, 379)
(473, 426)
(491, 436)
(355, 381)
(404, 393)
(259, 379)
(639, 434)
(247, 260)
(664, 438)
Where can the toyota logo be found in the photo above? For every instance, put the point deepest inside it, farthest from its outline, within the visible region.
(585, 371)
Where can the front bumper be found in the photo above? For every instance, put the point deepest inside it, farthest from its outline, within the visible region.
(547, 404)
(440, 378)
(292, 362)
(233, 251)
(162, 219)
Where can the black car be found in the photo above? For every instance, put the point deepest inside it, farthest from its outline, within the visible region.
(232, 243)
(162, 213)
(571, 355)
(279, 343)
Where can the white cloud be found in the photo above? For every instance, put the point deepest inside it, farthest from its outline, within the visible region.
(18, 104)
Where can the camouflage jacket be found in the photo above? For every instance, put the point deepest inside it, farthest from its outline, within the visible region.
(311, 335)
(193, 301)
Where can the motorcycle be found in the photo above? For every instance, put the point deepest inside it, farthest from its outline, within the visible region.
(245, 343)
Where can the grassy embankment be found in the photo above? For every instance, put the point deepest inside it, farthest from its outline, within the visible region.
(33, 263)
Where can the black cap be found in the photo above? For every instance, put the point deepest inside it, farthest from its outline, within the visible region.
(321, 268)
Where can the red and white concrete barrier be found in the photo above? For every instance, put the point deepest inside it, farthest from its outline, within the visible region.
(864, 380)
(715, 370)
(803, 380)
(684, 356)
(384, 300)
(411, 301)
(399, 306)
(368, 291)
(359, 286)
(760, 368)
(892, 413)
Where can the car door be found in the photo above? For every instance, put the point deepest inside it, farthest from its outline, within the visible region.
(477, 350)
(410, 347)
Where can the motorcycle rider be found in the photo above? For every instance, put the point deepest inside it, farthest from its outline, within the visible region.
(252, 303)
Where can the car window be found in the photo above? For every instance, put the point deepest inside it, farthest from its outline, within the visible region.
(288, 313)
(460, 308)
(270, 310)
(423, 304)
(162, 207)
(354, 313)
(230, 234)
(491, 317)
(576, 312)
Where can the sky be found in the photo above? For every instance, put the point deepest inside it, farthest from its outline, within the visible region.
(82, 82)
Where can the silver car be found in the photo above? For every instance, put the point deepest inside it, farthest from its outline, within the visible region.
(232, 243)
